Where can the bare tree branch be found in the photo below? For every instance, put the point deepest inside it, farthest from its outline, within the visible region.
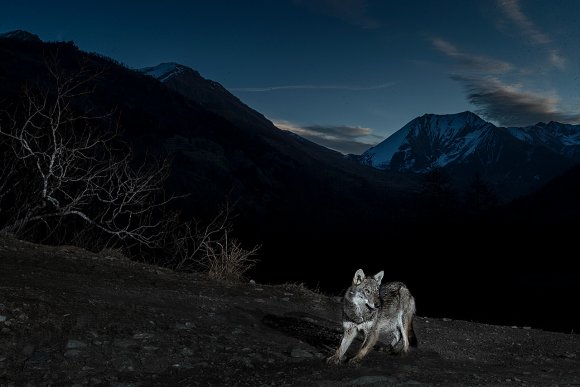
(75, 168)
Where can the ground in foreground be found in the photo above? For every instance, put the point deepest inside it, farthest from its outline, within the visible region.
(68, 316)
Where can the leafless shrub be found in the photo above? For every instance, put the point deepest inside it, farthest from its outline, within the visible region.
(226, 259)
(209, 247)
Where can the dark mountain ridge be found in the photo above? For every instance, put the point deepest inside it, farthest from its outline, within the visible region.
(285, 191)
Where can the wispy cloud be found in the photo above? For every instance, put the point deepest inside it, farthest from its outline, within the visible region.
(511, 105)
(355, 12)
(512, 10)
(343, 138)
(556, 59)
(314, 87)
(506, 104)
(471, 61)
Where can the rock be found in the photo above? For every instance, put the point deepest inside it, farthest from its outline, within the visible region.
(141, 336)
(184, 326)
(3, 318)
(125, 343)
(252, 282)
(243, 360)
(373, 380)
(300, 353)
(446, 319)
(72, 353)
(75, 344)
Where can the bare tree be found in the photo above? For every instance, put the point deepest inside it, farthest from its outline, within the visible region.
(65, 164)
(63, 167)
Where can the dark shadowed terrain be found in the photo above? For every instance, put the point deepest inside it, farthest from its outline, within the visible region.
(68, 316)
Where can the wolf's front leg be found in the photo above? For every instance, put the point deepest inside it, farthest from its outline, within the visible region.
(370, 340)
(347, 338)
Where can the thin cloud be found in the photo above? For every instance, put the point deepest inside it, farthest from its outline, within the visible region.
(505, 104)
(342, 138)
(354, 12)
(510, 105)
(513, 10)
(313, 87)
(469, 61)
(556, 59)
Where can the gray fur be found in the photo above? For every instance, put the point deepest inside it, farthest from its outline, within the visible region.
(373, 309)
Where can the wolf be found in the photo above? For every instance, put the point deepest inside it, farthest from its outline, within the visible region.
(373, 309)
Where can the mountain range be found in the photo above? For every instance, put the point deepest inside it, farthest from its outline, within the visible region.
(317, 213)
(514, 160)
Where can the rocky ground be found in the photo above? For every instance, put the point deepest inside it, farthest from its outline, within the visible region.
(70, 317)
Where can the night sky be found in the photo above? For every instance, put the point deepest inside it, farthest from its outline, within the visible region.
(344, 73)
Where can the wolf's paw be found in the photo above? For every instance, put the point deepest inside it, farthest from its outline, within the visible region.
(333, 360)
(355, 361)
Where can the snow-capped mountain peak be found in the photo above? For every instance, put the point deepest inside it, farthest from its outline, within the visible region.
(560, 138)
(428, 141)
(164, 71)
(465, 144)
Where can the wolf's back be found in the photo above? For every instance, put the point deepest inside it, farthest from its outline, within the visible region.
(395, 291)
(396, 296)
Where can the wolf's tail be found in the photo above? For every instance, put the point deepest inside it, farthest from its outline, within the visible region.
(411, 335)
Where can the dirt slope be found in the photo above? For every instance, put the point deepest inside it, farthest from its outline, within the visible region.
(68, 316)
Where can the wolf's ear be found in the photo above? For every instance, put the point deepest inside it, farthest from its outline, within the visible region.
(359, 276)
(379, 276)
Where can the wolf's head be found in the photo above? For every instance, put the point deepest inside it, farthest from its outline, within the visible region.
(365, 290)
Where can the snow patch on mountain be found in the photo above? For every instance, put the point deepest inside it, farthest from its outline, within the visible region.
(380, 155)
(21, 35)
(164, 71)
